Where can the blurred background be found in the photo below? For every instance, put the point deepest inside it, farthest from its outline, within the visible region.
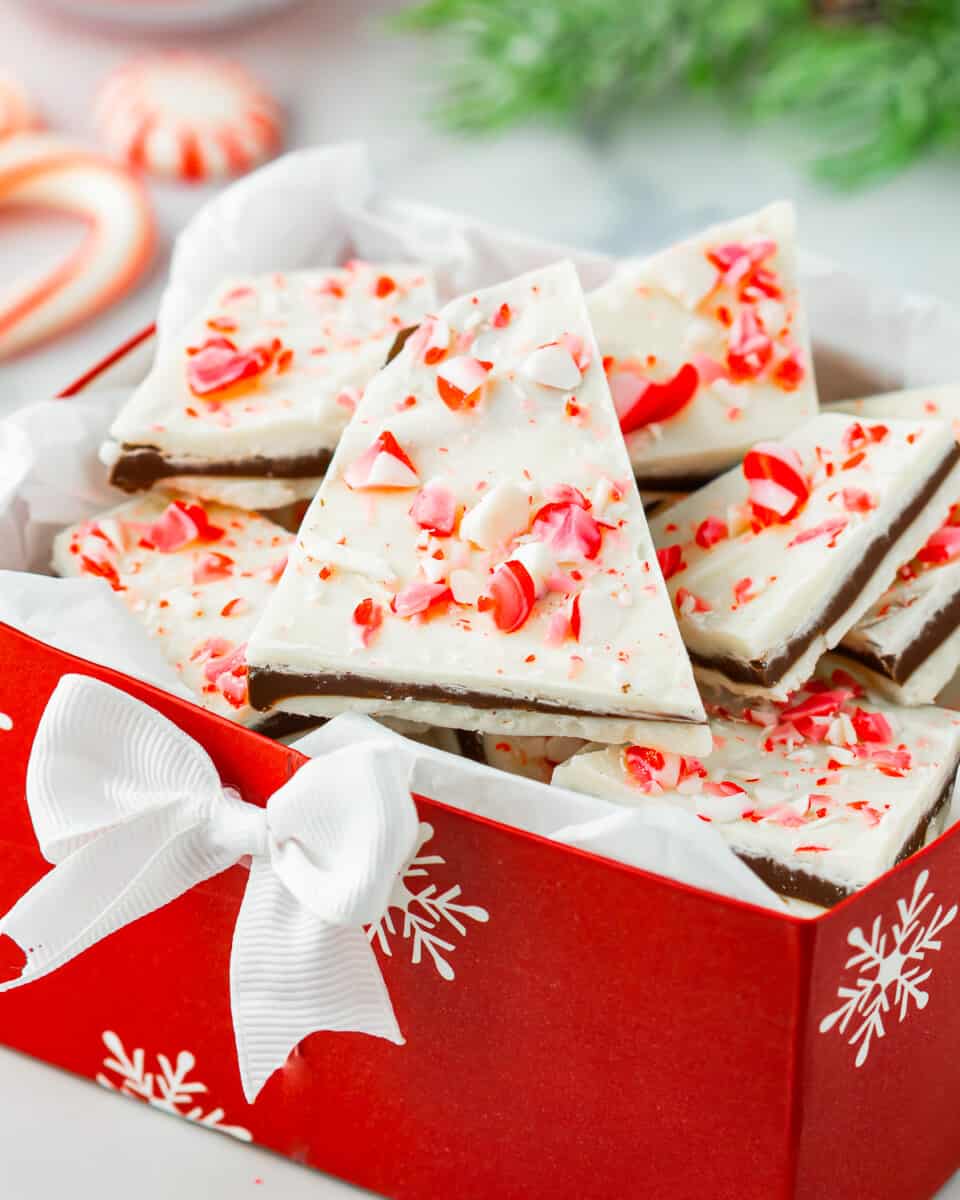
(610, 125)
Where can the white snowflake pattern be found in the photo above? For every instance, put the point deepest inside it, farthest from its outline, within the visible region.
(889, 978)
(167, 1088)
(425, 913)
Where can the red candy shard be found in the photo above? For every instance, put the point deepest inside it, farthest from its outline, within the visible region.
(722, 788)
(777, 484)
(213, 566)
(741, 590)
(735, 260)
(178, 526)
(857, 500)
(218, 365)
(690, 601)
(384, 464)
(575, 618)
(568, 529)
(384, 286)
(710, 531)
(232, 685)
(644, 764)
(512, 593)
(823, 704)
(871, 726)
(578, 350)
(418, 597)
(225, 668)
(213, 647)
(789, 373)
(435, 509)
(749, 349)
(460, 381)
(661, 769)
(368, 615)
(501, 317)
(566, 493)
(671, 561)
(692, 768)
(826, 529)
(641, 402)
(857, 435)
(430, 340)
(102, 569)
(275, 570)
(943, 546)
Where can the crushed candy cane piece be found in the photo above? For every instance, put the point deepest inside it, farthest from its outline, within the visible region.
(513, 594)
(435, 509)
(460, 381)
(384, 465)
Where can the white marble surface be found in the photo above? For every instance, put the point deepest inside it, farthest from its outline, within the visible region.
(341, 77)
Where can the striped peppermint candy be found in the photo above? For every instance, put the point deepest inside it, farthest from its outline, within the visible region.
(188, 116)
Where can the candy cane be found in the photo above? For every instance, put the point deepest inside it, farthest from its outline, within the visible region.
(42, 171)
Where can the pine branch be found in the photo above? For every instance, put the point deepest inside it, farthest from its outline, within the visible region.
(879, 93)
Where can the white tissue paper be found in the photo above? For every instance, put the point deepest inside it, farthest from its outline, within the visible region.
(85, 617)
(319, 207)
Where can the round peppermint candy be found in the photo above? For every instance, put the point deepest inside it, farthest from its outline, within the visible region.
(188, 116)
(16, 111)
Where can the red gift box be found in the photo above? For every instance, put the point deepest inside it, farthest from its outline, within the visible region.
(581, 1029)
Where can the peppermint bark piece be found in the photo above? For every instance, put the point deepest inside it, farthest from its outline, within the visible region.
(908, 644)
(773, 563)
(819, 795)
(247, 404)
(706, 349)
(198, 576)
(532, 757)
(477, 556)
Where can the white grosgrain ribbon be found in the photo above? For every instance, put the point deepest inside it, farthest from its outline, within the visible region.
(131, 812)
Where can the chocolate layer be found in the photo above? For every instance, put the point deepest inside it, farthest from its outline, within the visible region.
(268, 687)
(282, 724)
(678, 485)
(471, 745)
(802, 886)
(768, 671)
(899, 667)
(139, 467)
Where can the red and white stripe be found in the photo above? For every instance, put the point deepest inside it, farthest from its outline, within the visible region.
(188, 116)
(42, 171)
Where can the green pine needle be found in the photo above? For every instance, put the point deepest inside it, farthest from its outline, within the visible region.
(878, 93)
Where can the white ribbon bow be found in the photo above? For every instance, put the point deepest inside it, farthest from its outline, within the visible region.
(132, 813)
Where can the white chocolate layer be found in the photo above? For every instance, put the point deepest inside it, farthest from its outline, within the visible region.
(928, 680)
(924, 587)
(840, 809)
(250, 492)
(339, 328)
(736, 326)
(530, 425)
(754, 589)
(929, 404)
(199, 601)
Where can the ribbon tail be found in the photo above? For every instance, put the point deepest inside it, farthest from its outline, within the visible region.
(123, 875)
(293, 974)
